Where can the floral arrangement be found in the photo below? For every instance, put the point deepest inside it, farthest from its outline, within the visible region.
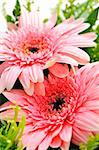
(49, 77)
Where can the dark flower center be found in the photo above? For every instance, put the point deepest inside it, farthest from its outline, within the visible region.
(33, 49)
(46, 72)
(57, 105)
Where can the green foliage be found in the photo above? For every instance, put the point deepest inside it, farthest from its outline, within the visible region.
(92, 144)
(45, 20)
(9, 18)
(28, 5)
(17, 10)
(16, 13)
(94, 52)
(92, 18)
(11, 132)
(77, 9)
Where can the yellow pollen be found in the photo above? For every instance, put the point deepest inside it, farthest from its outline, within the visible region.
(26, 51)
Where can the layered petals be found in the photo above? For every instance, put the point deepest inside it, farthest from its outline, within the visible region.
(42, 46)
(66, 112)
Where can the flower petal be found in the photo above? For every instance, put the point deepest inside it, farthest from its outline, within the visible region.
(30, 90)
(87, 121)
(59, 70)
(80, 136)
(36, 73)
(24, 78)
(56, 142)
(3, 66)
(76, 53)
(66, 133)
(16, 96)
(65, 59)
(40, 75)
(81, 40)
(32, 18)
(65, 146)
(11, 76)
(70, 26)
(2, 82)
(33, 139)
(39, 89)
(46, 142)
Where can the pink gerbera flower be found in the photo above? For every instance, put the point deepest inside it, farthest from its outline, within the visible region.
(69, 111)
(36, 46)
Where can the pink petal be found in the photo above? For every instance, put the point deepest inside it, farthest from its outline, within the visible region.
(40, 74)
(47, 141)
(77, 54)
(56, 142)
(2, 84)
(66, 133)
(4, 57)
(11, 76)
(70, 26)
(16, 96)
(80, 41)
(32, 18)
(30, 90)
(39, 89)
(87, 121)
(6, 112)
(36, 19)
(33, 139)
(31, 73)
(6, 104)
(11, 26)
(65, 59)
(92, 105)
(65, 146)
(24, 19)
(59, 70)
(37, 74)
(24, 78)
(34, 73)
(3, 66)
(80, 136)
(91, 36)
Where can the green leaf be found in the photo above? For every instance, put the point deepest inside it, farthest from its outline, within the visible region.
(59, 20)
(92, 143)
(93, 17)
(94, 52)
(9, 18)
(45, 20)
(28, 5)
(17, 10)
(11, 132)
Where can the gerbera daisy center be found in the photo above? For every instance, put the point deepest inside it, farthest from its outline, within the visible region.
(57, 105)
(33, 49)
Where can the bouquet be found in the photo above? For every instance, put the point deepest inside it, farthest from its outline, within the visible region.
(49, 77)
